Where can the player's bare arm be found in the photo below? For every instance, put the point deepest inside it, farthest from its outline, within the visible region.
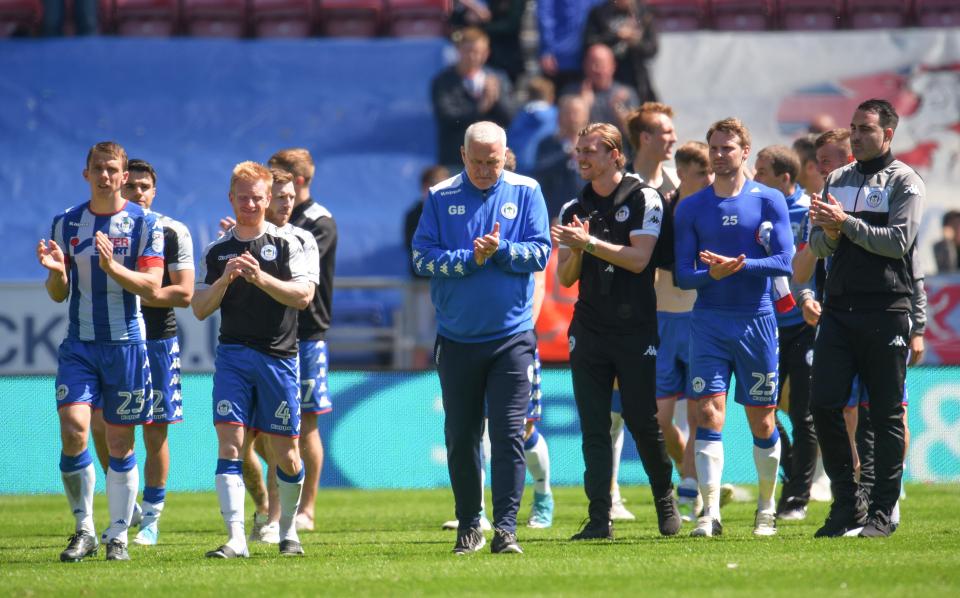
(207, 300)
(178, 293)
(145, 282)
(51, 257)
(289, 293)
(804, 263)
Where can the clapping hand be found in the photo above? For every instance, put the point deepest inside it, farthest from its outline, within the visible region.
(722, 266)
(574, 235)
(487, 245)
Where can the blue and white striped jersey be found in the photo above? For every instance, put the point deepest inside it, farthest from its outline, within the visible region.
(100, 310)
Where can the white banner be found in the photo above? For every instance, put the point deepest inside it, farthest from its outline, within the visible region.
(32, 327)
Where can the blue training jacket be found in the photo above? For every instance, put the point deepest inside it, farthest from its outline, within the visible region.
(481, 303)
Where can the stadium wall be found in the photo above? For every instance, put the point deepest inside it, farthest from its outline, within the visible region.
(386, 431)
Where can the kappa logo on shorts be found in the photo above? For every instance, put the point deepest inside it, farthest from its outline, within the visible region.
(573, 343)
(698, 384)
(268, 253)
(509, 210)
(622, 214)
(62, 392)
(224, 408)
(651, 351)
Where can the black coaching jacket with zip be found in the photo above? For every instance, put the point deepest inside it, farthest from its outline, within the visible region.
(871, 267)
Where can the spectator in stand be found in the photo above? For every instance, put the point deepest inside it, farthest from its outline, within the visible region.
(947, 250)
(467, 92)
(421, 321)
(556, 164)
(809, 176)
(534, 122)
(502, 21)
(609, 101)
(561, 25)
(627, 27)
(84, 17)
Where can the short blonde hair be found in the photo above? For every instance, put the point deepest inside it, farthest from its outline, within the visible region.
(732, 126)
(609, 136)
(111, 148)
(295, 160)
(252, 172)
(641, 120)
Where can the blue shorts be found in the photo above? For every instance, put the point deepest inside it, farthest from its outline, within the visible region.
(534, 408)
(256, 390)
(673, 362)
(314, 394)
(616, 403)
(747, 346)
(164, 356)
(112, 377)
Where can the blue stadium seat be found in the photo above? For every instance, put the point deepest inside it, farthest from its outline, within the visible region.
(809, 15)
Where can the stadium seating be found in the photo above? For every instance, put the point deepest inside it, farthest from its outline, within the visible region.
(215, 18)
(678, 15)
(811, 14)
(281, 18)
(145, 18)
(878, 14)
(743, 15)
(19, 17)
(938, 13)
(350, 18)
(417, 18)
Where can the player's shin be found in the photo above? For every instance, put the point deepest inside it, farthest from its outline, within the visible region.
(766, 457)
(123, 481)
(709, 461)
(290, 487)
(79, 478)
(230, 494)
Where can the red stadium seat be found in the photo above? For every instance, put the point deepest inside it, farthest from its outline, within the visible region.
(743, 15)
(145, 18)
(678, 15)
(878, 14)
(350, 18)
(215, 18)
(417, 18)
(281, 18)
(20, 17)
(811, 14)
(938, 13)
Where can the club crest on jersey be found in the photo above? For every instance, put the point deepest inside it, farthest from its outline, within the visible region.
(268, 253)
(156, 241)
(125, 225)
(622, 214)
(874, 199)
(509, 210)
(62, 391)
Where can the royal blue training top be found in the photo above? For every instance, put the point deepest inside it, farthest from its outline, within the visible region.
(481, 303)
(730, 226)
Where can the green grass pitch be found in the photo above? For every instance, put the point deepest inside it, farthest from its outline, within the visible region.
(390, 543)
